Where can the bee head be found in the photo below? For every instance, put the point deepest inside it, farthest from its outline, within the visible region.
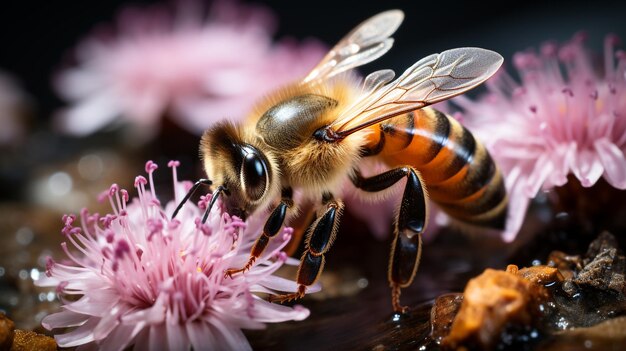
(233, 161)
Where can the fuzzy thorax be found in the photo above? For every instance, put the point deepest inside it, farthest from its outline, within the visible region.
(318, 166)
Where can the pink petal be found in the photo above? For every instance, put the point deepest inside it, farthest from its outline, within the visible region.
(64, 319)
(272, 313)
(89, 115)
(119, 339)
(232, 335)
(176, 336)
(94, 303)
(614, 162)
(153, 315)
(518, 205)
(109, 321)
(78, 336)
(281, 284)
(540, 171)
(587, 168)
(201, 336)
(158, 337)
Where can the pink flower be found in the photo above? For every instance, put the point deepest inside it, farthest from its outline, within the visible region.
(137, 277)
(192, 67)
(565, 117)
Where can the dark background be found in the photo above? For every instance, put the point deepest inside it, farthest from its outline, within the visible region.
(35, 36)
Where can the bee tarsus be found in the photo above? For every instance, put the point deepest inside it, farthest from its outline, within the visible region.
(272, 227)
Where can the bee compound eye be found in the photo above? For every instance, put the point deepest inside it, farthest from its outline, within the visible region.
(254, 175)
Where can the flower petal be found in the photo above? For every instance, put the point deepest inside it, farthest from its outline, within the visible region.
(79, 336)
(176, 336)
(540, 172)
(233, 337)
(587, 168)
(63, 320)
(158, 337)
(120, 338)
(200, 336)
(89, 115)
(273, 313)
(614, 162)
(95, 303)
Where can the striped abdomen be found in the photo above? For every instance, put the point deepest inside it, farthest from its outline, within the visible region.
(458, 171)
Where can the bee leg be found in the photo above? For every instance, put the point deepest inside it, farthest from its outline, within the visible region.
(406, 249)
(189, 193)
(270, 229)
(318, 242)
(300, 224)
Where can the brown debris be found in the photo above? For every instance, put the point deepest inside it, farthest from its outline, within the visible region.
(604, 266)
(493, 301)
(7, 330)
(541, 275)
(566, 264)
(442, 314)
(573, 298)
(20, 340)
(31, 341)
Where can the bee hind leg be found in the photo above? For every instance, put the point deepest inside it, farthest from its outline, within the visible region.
(270, 229)
(406, 248)
(319, 240)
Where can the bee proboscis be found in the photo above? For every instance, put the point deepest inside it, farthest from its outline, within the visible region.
(313, 135)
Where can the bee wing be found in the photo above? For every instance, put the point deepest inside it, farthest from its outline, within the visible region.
(365, 43)
(430, 80)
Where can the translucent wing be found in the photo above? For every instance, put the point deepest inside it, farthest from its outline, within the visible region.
(432, 79)
(365, 43)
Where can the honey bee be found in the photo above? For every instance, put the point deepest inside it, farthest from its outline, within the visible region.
(313, 135)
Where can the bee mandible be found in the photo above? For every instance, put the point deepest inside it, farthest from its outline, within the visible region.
(313, 135)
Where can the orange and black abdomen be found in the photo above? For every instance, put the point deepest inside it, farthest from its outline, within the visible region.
(459, 173)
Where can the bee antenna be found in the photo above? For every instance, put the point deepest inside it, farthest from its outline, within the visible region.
(220, 189)
(193, 189)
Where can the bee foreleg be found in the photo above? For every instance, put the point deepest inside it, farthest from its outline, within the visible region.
(318, 242)
(406, 249)
(270, 229)
(193, 189)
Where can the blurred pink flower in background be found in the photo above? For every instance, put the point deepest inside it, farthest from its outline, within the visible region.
(137, 277)
(13, 110)
(181, 62)
(565, 117)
